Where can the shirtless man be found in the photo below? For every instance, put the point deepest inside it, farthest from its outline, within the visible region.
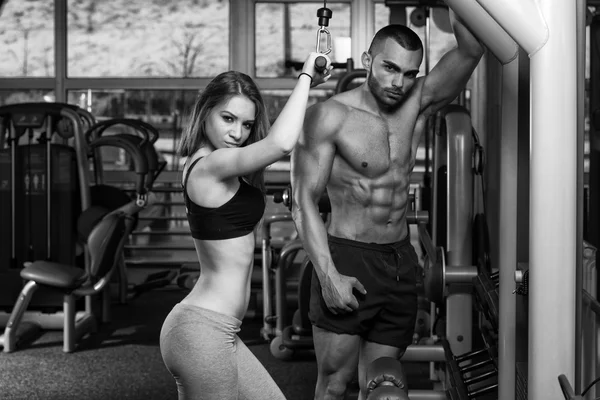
(361, 146)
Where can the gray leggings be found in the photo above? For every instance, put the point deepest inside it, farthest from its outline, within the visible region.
(208, 360)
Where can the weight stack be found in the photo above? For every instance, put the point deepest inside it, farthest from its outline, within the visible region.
(32, 209)
(6, 235)
(31, 206)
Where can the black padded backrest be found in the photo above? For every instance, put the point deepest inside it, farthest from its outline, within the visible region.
(151, 156)
(88, 219)
(105, 244)
(138, 156)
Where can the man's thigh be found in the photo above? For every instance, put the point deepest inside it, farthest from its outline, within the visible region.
(337, 353)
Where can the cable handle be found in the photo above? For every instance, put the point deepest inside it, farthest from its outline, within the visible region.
(324, 15)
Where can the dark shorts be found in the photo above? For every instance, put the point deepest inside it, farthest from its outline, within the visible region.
(387, 313)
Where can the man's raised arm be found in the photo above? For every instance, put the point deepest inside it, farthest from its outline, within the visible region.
(452, 72)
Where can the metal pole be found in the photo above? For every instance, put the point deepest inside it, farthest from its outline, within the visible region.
(60, 52)
(48, 187)
(507, 234)
(521, 19)
(427, 40)
(13, 189)
(486, 29)
(424, 352)
(581, 10)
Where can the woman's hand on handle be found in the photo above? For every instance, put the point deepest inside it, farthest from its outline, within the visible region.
(317, 75)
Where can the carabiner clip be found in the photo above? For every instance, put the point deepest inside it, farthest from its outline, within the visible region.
(320, 32)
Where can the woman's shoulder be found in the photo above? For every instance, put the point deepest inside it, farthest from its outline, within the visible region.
(204, 186)
(192, 165)
(198, 168)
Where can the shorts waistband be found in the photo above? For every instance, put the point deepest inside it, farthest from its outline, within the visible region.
(381, 247)
(211, 315)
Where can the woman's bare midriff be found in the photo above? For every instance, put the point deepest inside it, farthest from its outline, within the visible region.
(225, 273)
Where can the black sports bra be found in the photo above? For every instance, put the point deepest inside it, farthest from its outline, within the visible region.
(237, 217)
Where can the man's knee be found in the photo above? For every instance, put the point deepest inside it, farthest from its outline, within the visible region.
(334, 387)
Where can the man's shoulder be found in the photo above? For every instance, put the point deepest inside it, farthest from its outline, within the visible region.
(327, 117)
(330, 108)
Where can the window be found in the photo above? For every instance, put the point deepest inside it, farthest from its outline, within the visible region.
(287, 32)
(276, 99)
(138, 38)
(24, 96)
(166, 110)
(27, 38)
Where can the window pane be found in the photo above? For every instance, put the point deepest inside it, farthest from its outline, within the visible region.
(167, 110)
(148, 38)
(286, 33)
(382, 15)
(25, 96)
(27, 38)
(163, 109)
(276, 99)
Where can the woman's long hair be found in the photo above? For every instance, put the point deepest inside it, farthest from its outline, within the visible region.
(222, 88)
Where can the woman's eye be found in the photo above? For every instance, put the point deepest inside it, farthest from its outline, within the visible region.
(227, 118)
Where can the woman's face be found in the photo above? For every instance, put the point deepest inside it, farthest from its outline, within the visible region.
(229, 123)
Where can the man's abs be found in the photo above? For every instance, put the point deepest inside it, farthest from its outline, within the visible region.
(370, 176)
(366, 210)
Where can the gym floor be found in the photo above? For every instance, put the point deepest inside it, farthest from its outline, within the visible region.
(122, 360)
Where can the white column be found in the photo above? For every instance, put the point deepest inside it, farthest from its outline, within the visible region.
(363, 28)
(548, 34)
(553, 206)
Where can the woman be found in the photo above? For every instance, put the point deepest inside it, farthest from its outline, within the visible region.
(227, 150)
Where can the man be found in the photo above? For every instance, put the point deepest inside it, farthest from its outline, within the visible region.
(361, 145)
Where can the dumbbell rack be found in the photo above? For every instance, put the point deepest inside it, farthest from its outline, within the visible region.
(472, 375)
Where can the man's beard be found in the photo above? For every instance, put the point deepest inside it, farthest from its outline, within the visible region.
(382, 100)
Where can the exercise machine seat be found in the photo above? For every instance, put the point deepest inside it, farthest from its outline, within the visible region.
(105, 244)
(60, 276)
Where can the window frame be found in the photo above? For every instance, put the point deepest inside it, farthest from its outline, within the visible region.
(241, 53)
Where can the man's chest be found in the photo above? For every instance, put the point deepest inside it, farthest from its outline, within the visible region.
(374, 146)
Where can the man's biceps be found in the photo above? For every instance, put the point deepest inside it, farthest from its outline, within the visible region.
(307, 194)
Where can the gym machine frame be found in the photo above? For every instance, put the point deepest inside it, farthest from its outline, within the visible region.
(21, 324)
